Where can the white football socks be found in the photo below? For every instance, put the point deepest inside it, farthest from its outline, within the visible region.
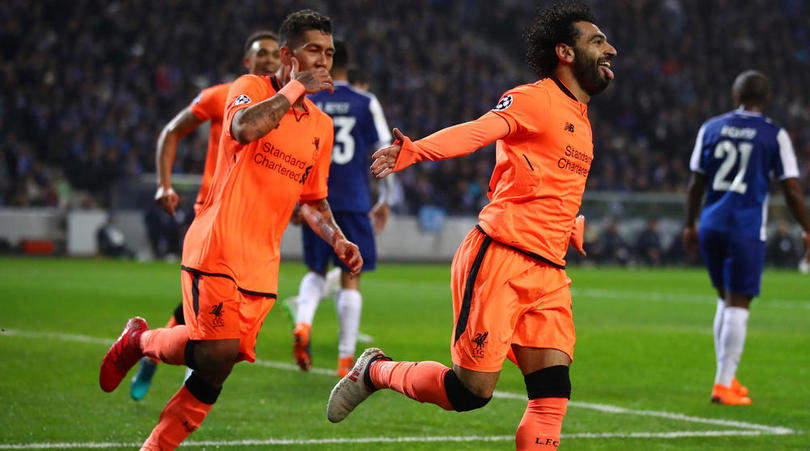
(349, 305)
(332, 285)
(309, 295)
(732, 341)
(718, 328)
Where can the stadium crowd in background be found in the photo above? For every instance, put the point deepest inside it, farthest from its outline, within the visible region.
(95, 80)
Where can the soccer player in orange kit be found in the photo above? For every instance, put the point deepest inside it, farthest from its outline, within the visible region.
(261, 57)
(274, 152)
(509, 285)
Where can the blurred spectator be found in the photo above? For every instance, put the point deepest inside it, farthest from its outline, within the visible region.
(610, 247)
(110, 240)
(782, 251)
(648, 244)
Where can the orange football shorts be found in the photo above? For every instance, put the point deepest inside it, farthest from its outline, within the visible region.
(503, 297)
(215, 309)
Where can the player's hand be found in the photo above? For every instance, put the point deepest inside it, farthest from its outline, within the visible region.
(690, 240)
(297, 217)
(349, 254)
(379, 217)
(577, 240)
(167, 198)
(386, 158)
(315, 80)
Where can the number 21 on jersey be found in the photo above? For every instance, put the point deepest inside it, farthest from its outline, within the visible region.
(729, 153)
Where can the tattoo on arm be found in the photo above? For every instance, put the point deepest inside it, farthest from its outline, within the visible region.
(258, 120)
(320, 219)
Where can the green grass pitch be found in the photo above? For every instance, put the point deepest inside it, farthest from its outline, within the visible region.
(642, 373)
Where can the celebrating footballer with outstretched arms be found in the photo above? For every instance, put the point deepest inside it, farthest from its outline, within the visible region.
(509, 285)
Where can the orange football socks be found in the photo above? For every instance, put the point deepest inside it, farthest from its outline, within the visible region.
(166, 345)
(422, 381)
(182, 415)
(541, 424)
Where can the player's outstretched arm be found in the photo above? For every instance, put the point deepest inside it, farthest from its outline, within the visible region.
(694, 197)
(451, 142)
(795, 201)
(319, 217)
(254, 122)
(182, 124)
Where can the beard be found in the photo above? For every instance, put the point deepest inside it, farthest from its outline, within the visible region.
(586, 71)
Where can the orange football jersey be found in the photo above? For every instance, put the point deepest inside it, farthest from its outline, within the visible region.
(255, 187)
(541, 167)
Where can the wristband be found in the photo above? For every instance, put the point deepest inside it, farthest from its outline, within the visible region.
(293, 90)
(161, 192)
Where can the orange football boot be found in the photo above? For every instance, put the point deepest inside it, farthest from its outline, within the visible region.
(301, 346)
(345, 364)
(739, 388)
(727, 396)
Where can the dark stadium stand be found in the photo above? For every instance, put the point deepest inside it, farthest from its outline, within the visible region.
(88, 84)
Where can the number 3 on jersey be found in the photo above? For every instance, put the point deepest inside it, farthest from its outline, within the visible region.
(343, 149)
(728, 152)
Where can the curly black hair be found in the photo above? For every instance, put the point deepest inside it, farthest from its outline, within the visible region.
(296, 24)
(553, 25)
(256, 36)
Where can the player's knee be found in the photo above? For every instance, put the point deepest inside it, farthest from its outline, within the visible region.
(202, 389)
(211, 355)
(550, 382)
(461, 398)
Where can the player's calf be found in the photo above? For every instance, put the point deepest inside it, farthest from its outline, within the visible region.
(549, 390)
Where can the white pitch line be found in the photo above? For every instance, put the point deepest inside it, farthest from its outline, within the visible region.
(776, 430)
(368, 440)
(708, 299)
(753, 428)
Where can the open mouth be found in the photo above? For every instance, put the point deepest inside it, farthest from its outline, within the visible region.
(604, 67)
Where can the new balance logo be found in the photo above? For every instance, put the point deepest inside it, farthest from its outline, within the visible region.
(569, 127)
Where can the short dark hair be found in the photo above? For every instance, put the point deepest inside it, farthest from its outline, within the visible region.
(356, 75)
(340, 60)
(553, 25)
(751, 88)
(299, 22)
(258, 35)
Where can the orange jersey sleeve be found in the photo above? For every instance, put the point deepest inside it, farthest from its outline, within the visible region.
(209, 105)
(452, 142)
(541, 168)
(246, 91)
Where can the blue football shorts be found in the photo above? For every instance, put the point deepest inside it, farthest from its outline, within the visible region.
(357, 228)
(734, 262)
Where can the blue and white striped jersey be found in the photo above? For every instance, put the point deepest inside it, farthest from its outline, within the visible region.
(360, 128)
(739, 153)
